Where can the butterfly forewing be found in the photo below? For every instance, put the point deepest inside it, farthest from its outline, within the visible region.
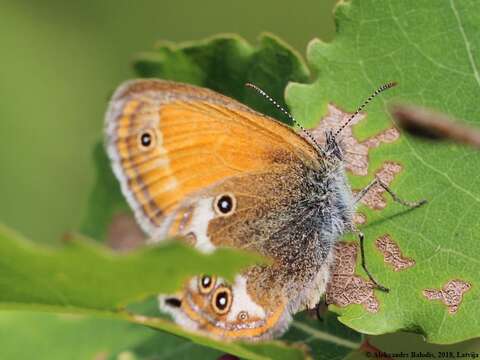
(168, 142)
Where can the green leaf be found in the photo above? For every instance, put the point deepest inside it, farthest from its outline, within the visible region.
(167, 346)
(85, 277)
(431, 49)
(225, 63)
(28, 335)
(326, 337)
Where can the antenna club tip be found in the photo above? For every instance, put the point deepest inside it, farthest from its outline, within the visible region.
(391, 84)
(249, 85)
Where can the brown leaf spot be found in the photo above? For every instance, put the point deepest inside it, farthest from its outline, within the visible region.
(392, 254)
(344, 287)
(374, 198)
(124, 234)
(451, 294)
(359, 218)
(355, 152)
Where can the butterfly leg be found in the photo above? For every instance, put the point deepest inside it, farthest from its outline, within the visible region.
(395, 197)
(361, 237)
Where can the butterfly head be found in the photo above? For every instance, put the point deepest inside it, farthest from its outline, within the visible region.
(330, 153)
(209, 304)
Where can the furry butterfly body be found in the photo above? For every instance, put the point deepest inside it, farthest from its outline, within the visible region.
(192, 162)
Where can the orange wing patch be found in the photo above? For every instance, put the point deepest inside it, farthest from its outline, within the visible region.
(196, 139)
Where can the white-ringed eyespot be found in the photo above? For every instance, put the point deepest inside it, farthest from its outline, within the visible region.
(222, 300)
(206, 283)
(225, 204)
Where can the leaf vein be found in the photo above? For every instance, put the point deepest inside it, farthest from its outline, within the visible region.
(466, 41)
(419, 49)
(444, 175)
(320, 335)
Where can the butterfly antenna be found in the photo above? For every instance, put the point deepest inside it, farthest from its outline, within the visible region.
(365, 103)
(279, 107)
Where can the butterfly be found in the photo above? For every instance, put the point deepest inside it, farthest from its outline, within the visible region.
(195, 163)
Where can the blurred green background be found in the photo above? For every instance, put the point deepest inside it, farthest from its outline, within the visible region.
(61, 60)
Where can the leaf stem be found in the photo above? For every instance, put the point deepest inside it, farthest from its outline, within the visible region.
(326, 336)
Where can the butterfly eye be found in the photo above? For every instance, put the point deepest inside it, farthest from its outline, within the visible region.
(222, 300)
(225, 204)
(206, 284)
(146, 139)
